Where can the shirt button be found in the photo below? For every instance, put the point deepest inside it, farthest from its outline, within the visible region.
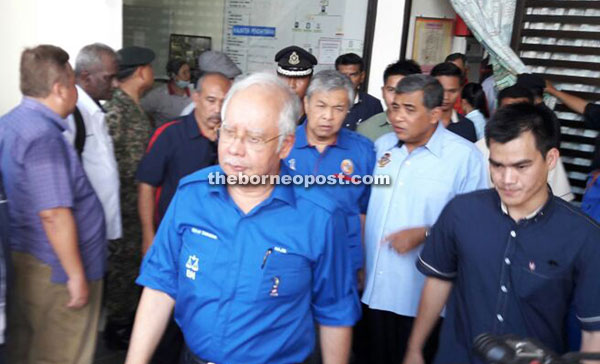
(400, 183)
(380, 272)
(503, 288)
(500, 318)
(407, 163)
(507, 261)
(513, 234)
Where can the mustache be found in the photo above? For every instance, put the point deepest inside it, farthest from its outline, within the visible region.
(234, 161)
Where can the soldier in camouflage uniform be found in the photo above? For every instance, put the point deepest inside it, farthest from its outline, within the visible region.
(130, 129)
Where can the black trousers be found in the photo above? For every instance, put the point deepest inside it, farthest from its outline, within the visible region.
(382, 338)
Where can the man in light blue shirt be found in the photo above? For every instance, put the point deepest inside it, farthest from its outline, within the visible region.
(428, 166)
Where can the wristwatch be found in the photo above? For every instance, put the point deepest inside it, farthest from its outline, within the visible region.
(427, 232)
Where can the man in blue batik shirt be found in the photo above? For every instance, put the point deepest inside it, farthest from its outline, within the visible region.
(249, 268)
(323, 147)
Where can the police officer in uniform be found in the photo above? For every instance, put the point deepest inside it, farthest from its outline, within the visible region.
(295, 67)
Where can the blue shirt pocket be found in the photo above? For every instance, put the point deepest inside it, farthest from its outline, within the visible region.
(541, 285)
(285, 276)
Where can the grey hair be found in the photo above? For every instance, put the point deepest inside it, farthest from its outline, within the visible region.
(90, 57)
(200, 81)
(330, 80)
(433, 92)
(290, 111)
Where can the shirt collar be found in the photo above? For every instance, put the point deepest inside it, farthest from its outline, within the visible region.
(191, 126)
(435, 142)
(33, 104)
(386, 121)
(341, 140)
(84, 100)
(543, 209)
(358, 98)
(454, 117)
(281, 192)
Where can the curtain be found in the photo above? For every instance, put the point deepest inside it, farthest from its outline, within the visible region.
(491, 22)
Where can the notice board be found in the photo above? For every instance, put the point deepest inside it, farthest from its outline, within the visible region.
(254, 30)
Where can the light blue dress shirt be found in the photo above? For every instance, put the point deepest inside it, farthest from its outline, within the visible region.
(423, 181)
(479, 122)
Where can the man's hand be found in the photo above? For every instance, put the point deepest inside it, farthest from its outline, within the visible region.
(413, 357)
(78, 292)
(406, 240)
(360, 279)
(550, 88)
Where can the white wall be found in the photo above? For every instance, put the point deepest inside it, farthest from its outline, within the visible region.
(388, 33)
(386, 42)
(69, 24)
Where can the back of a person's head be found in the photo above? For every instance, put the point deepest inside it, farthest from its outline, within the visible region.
(515, 92)
(350, 59)
(456, 56)
(511, 121)
(446, 69)
(533, 83)
(403, 67)
(473, 94)
(41, 67)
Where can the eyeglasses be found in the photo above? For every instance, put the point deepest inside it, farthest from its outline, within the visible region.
(255, 143)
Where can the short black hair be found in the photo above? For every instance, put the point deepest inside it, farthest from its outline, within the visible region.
(515, 92)
(473, 94)
(174, 65)
(509, 122)
(533, 82)
(446, 69)
(433, 92)
(350, 59)
(402, 67)
(455, 56)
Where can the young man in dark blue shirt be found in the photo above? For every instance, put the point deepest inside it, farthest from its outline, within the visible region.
(510, 260)
(365, 105)
(450, 76)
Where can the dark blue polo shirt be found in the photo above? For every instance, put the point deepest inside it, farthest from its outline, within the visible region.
(464, 127)
(175, 150)
(509, 277)
(248, 287)
(351, 155)
(366, 107)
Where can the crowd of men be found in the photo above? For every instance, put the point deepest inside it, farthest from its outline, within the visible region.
(105, 207)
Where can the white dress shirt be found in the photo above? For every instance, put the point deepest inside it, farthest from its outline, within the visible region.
(98, 159)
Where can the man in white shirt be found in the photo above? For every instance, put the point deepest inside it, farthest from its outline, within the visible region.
(95, 70)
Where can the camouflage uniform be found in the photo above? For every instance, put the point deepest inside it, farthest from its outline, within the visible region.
(130, 129)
